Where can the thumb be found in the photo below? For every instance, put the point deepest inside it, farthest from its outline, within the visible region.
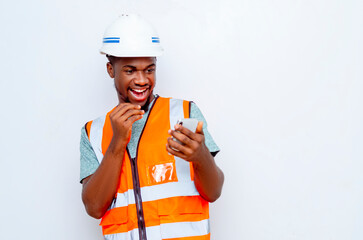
(200, 128)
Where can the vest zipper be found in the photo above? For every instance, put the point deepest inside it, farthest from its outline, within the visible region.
(136, 185)
(138, 200)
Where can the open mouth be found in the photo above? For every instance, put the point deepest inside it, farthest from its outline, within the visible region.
(139, 94)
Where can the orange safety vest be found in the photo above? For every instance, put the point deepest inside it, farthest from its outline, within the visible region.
(156, 197)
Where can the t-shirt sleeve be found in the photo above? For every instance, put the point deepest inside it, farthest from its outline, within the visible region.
(209, 142)
(89, 162)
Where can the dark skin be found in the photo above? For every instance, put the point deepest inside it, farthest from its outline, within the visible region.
(134, 82)
(208, 177)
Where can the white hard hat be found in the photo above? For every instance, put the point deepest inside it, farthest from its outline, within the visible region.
(131, 36)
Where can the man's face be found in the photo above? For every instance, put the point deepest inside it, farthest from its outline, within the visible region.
(134, 79)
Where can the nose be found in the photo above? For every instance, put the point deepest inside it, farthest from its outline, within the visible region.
(141, 78)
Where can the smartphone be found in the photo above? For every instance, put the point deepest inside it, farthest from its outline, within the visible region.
(190, 123)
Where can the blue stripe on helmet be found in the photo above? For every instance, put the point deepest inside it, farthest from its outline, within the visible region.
(155, 41)
(111, 41)
(110, 38)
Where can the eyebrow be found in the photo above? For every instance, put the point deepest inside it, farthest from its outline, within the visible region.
(133, 67)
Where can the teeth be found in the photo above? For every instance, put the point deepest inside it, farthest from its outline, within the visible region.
(139, 90)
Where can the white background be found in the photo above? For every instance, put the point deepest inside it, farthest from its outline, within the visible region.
(279, 81)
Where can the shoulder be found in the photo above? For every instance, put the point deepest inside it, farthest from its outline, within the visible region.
(96, 123)
(173, 100)
(196, 113)
(187, 105)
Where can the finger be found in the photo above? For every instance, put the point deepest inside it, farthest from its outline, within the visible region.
(178, 147)
(122, 108)
(132, 112)
(180, 137)
(134, 118)
(185, 131)
(175, 153)
(126, 106)
(200, 128)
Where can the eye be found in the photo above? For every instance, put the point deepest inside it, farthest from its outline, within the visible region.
(129, 71)
(150, 70)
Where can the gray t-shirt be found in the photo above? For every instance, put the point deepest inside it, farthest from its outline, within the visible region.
(89, 162)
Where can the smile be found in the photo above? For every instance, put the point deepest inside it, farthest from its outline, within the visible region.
(139, 90)
(139, 94)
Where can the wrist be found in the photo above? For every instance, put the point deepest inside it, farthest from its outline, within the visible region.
(204, 162)
(117, 146)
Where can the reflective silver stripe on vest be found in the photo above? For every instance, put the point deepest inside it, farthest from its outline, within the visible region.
(96, 134)
(184, 229)
(152, 233)
(130, 235)
(167, 230)
(156, 192)
(167, 190)
(176, 113)
(124, 199)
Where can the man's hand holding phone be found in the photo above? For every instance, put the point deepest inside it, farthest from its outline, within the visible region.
(187, 143)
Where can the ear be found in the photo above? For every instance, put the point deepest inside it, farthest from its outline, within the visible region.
(110, 70)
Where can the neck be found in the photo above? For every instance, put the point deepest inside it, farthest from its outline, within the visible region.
(146, 105)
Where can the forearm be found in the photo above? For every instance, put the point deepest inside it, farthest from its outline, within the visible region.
(208, 178)
(100, 188)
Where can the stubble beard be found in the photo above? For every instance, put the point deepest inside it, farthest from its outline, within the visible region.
(126, 99)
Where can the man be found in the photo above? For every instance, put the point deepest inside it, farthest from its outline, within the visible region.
(135, 176)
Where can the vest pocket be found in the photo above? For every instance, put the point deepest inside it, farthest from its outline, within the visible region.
(182, 217)
(180, 209)
(115, 216)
